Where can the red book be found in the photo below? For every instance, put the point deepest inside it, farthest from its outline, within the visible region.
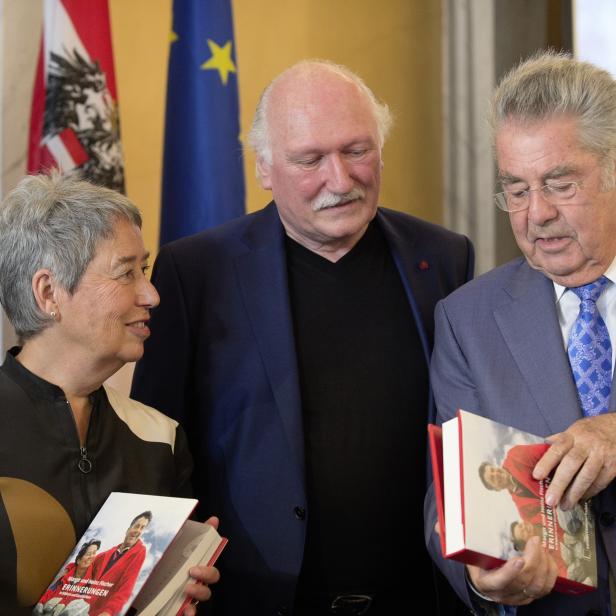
(489, 505)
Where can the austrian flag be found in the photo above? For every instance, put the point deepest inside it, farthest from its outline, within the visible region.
(75, 122)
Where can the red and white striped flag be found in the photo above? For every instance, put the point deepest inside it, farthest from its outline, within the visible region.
(75, 121)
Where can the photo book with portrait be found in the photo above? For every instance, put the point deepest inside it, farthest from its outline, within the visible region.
(489, 505)
(133, 559)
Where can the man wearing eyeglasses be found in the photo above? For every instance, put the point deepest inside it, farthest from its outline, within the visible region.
(530, 344)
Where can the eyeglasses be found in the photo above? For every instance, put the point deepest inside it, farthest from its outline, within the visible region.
(556, 193)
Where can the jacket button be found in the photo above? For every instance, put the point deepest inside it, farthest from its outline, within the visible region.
(300, 512)
(606, 518)
(282, 610)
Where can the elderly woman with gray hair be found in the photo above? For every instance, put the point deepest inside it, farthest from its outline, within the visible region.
(73, 284)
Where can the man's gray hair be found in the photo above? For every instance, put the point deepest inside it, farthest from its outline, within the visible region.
(551, 84)
(52, 222)
(259, 135)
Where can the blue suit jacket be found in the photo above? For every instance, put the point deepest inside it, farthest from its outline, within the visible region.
(499, 352)
(221, 360)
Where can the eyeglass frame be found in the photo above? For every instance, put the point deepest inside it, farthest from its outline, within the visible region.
(547, 192)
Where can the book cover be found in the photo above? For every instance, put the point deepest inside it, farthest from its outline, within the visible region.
(489, 505)
(118, 552)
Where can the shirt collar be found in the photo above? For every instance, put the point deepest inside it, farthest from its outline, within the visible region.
(34, 385)
(610, 274)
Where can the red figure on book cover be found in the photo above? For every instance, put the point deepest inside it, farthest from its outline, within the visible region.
(77, 573)
(515, 475)
(119, 567)
(520, 462)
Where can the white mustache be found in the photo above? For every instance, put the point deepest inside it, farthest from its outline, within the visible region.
(329, 199)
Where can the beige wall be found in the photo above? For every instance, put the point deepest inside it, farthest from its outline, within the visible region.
(394, 44)
(140, 31)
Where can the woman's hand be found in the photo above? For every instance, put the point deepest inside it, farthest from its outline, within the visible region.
(198, 590)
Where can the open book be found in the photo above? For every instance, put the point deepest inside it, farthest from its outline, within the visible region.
(489, 505)
(136, 552)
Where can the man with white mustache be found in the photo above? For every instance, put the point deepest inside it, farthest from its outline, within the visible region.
(328, 199)
(293, 344)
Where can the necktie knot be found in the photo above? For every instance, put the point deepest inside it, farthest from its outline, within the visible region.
(592, 290)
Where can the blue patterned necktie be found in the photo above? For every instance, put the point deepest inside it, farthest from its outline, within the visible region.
(590, 351)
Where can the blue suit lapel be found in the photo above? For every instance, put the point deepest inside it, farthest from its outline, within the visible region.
(422, 304)
(262, 274)
(529, 325)
(419, 286)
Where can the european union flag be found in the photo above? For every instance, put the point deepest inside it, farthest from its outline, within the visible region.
(203, 176)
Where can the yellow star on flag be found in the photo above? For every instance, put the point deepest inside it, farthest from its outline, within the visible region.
(220, 60)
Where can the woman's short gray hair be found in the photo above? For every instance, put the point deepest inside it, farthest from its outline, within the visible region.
(551, 84)
(259, 135)
(52, 222)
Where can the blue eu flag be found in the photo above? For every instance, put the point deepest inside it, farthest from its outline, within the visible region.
(203, 176)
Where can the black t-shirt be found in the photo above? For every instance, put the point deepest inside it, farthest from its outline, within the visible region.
(364, 388)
